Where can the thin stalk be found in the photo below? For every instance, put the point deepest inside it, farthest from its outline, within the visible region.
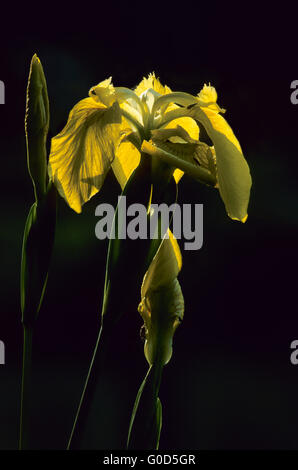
(145, 422)
(26, 387)
(122, 255)
(89, 389)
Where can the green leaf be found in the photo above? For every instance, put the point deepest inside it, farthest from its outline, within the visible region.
(146, 419)
(135, 407)
(158, 421)
(37, 248)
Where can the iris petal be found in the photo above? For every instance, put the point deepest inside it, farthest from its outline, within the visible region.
(127, 159)
(82, 153)
(233, 173)
(151, 82)
(208, 97)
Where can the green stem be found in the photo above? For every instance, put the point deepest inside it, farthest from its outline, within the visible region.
(26, 386)
(94, 372)
(145, 422)
(123, 255)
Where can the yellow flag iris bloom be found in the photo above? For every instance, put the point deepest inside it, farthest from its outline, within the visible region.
(111, 127)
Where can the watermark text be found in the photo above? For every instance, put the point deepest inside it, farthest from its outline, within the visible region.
(294, 354)
(294, 94)
(136, 222)
(2, 92)
(2, 353)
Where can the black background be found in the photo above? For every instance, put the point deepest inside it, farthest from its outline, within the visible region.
(230, 383)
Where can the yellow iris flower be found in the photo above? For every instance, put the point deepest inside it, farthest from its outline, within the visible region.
(113, 125)
(110, 129)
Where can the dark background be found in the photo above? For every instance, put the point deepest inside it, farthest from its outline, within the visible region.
(230, 383)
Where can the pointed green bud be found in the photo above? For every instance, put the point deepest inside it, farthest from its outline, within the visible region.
(36, 254)
(36, 126)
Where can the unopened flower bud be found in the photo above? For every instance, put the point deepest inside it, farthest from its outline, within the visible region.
(36, 126)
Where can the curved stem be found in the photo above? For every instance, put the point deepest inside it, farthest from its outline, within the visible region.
(26, 386)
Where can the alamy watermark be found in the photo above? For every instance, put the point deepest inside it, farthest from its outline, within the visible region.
(294, 354)
(2, 92)
(294, 94)
(2, 353)
(133, 222)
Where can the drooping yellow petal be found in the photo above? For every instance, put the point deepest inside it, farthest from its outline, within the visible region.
(126, 160)
(216, 122)
(83, 152)
(233, 173)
